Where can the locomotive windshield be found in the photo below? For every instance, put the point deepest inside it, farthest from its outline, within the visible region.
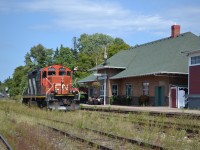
(51, 71)
(62, 72)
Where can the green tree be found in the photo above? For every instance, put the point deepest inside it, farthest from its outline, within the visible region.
(9, 83)
(75, 48)
(117, 45)
(84, 63)
(64, 56)
(18, 83)
(1, 87)
(56, 56)
(39, 56)
(91, 50)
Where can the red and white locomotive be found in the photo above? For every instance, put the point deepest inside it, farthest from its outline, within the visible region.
(52, 87)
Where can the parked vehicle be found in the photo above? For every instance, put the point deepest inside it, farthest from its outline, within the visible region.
(1, 95)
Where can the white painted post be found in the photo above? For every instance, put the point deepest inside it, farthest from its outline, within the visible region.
(104, 89)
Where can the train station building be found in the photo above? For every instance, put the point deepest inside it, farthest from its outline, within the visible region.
(146, 74)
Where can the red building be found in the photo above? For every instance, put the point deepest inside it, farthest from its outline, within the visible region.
(194, 79)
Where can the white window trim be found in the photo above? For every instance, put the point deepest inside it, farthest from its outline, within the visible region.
(190, 58)
(145, 89)
(131, 89)
(102, 90)
(91, 88)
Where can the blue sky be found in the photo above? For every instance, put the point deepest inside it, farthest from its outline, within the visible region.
(26, 23)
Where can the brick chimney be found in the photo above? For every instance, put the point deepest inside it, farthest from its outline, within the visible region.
(175, 30)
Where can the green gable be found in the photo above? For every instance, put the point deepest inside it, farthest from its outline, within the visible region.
(161, 56)
(158, 57)
(89, 78)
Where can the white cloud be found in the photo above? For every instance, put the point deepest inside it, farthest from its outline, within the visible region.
(4, 7)
(187, 16)
(107, 16)
(96, 16)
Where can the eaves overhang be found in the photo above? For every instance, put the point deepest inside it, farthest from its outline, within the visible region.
(154, 73)
(106, 67)
(187, 53)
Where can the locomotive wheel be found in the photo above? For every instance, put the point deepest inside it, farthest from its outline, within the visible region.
(41, 104)
(25, 101)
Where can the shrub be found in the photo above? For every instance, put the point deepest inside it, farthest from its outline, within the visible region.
(128, 101)
(114, 100)
(143, 100)
(96, 84)
(120, 100)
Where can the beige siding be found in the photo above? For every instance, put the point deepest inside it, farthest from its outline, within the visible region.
(153, 80)
(137, 84)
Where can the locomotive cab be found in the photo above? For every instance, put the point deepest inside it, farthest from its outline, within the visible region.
(52, 87)
(56, 79)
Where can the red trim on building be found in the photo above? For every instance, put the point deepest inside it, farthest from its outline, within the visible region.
(194, 79)
(173, 97)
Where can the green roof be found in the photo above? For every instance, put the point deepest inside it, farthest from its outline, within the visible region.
(157, 57)
(89, 78)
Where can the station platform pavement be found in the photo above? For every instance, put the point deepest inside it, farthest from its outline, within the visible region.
(153, 109)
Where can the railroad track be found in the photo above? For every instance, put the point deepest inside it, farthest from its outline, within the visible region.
(110, 137)
(4, 145)
(192, 130)
(78, 138)
(152, 113)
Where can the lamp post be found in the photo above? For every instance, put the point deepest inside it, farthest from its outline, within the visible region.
(104, 99)
(105, 76)
(102, 77)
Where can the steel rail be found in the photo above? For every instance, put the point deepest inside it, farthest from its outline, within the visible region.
(130, 140)
(80, 139)
(5, 142)
(191, 129)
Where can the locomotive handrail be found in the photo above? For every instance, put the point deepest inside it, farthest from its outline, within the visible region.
(43, 88)
(50, 87)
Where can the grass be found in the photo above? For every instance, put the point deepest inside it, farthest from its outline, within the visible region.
(18, 124)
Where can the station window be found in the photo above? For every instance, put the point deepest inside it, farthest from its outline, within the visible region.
(129, 90)
(145, 88)
(114, 89)
(102, 90)
(91, 92)
(195, 60)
